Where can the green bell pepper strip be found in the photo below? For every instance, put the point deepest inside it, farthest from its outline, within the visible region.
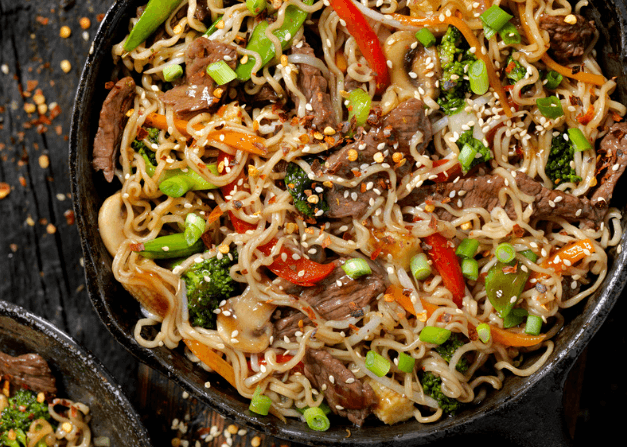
(504, 284)
(170, 246)
(259, 43)
(156, 12)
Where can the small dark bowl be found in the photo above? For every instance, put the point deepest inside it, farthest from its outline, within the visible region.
(80, 376)
(527, 411)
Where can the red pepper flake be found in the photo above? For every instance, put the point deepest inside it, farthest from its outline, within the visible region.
(69, 217)
(137, 247)
(42, 20)
(585, 119)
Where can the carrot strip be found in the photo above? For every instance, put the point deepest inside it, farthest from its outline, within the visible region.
(472, 40)
(588, 78)
(501, 336)
(212, 360)
(238, 140)
(568, 255)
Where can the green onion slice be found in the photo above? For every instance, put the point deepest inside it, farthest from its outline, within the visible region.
(553, 80)
(509, 34)
(221, 72)
(533, 325)
(467, 248)
(466, 156)
(256, 6)
(194, 228)
(378, 364)
(213, 28)
(478, 77)
(420, 267)
(316, 419)
(172, 72)
(529, 255)
(356, 267)
(406, 362)
(359, 106)
(259, 403)
(550, 107)
(470, 269)
(505, 252)
(425, 37)
(483, 331)
(435, 335)
(495, 17)
(579, 140)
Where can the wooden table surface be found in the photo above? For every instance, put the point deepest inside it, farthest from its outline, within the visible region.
(40, 254)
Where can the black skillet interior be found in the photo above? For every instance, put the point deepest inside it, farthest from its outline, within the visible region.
(527, 411)
(80, 376)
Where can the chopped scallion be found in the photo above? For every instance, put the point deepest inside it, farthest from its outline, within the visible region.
(467, 248)
(579, 140)
(425, 37)
(478, 77)
(316, 419)
(406, 362)
(483, 332)
(259, 403)
(420, 267)
(505, 252)
(533, 325)
(378, 364)
(359, 106)
(470, 269)
(553, 80)
(356, 267)
(221, 72)
(529, 255)
(213, 28)
(466, 156)
(510, 34)
(550, 107)
(495, 17)
(435, 335)
(256, 6)
(172, 72)
(194, 228)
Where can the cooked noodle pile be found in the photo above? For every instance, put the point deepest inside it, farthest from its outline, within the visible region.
(378, 191)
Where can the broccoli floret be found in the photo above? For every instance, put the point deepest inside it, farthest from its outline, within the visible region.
(558, 167)
(301, 187)
(454, 60)
(514, 70)
(22, 410)
(207, 283)
(432, 386)
(467, 138)
(448, 348)
(145, 151)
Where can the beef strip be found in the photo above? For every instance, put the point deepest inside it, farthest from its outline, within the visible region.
(483, 192)
(347, 395)
(202, 13)
(612, 163)
(568, 41)
(315, 87)
(397, 129)
(29, 370)
(197, 94)
(111, 126)
(336, 297)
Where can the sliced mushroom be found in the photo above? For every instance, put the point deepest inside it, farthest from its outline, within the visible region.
(244, 322)
(111, 219)
(412, 68)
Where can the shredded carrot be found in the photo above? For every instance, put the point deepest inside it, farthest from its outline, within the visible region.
(238, 140)
(499, 335)
(588, 78)
(472, 40)
(212, 360)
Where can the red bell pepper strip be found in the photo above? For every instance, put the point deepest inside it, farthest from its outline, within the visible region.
(448, 175)
(366, 39)
(445, 261)
(302, 271)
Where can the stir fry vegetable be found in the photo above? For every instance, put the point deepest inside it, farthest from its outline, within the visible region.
(156, 12)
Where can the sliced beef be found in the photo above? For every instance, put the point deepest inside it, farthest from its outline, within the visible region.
(202, 13)
(197, 94)
(568, 41)
(483, 192)
(111, 126)
(407, 124)
(315, 87)
(29, 370)
(337, 297)
(612, 163)
(347, 395)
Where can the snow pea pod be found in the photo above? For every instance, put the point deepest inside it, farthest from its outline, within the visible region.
(170, 246)
(156, 12)
(259, 43)
(504, 285)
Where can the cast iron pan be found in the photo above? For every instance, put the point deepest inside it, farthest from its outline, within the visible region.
(528, 411)
(80, 376)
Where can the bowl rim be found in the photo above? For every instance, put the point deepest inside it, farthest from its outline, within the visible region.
(549, 380)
